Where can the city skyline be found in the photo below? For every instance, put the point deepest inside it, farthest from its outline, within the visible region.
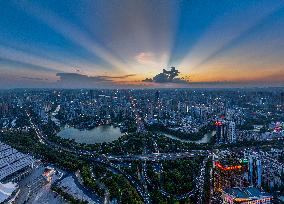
(150, 146)
(119, 44)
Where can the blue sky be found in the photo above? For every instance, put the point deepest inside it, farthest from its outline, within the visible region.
(119, 43)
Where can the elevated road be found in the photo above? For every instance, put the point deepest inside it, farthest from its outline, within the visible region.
(157, 156)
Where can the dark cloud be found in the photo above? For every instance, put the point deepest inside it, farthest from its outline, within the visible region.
(75, 77)
(34, 78)
(100, 78)
(81, 80)
(148, 80)
(166, 76)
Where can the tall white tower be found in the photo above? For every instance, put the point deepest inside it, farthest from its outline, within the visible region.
(232, 132)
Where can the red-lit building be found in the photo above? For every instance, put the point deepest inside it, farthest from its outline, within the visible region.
(228, 174)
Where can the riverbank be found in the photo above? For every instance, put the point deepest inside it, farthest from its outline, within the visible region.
(205, 139)
(194, 136)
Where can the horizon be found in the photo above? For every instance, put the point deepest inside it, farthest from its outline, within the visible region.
(97, 45)
(245, 88)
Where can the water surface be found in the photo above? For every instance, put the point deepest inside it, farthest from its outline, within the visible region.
(203, 140)
(100, 134)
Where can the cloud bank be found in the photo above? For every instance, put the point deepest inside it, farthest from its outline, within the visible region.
(166, 76)
(81, 80)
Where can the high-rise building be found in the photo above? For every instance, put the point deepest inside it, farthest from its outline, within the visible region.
(282, 98)
(220, 132)
(255, 172)
(4, 108)
(232, 132)
(229, 173)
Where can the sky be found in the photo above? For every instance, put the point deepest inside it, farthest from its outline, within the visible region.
(128, 43)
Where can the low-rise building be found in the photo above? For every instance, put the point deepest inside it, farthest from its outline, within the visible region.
(248, 195)
(12, 161)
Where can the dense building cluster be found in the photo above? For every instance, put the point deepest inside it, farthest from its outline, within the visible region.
(241, 157)
(238, 115)
(241, 176)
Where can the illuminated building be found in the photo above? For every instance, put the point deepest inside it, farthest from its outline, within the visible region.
(220, 131)
(255, 172)
(48, 173)
(248, 195)
(229, 174)
(225, 131)
(232, 132)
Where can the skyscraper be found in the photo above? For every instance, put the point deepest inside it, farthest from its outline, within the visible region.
(282, 98)
(220, 132)
(232, 132)
(255, 172)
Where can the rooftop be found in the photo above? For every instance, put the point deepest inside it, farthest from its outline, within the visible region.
(250, 193)
(6, 190)
(12, 161)
(236, 192)
(254, 192)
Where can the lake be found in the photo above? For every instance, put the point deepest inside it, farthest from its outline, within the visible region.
(100, 134)
(109, 133)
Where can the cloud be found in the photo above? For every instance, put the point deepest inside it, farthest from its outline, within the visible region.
(75, 77)
(145, 58)
(118, 77)
(148, 80)
(34, 78)
(166, 76)
(152, 60)
(81, 80)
